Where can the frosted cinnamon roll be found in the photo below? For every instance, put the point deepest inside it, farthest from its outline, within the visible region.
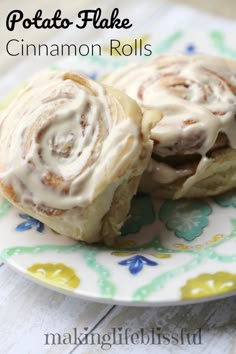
(72, 153)
(191, 103)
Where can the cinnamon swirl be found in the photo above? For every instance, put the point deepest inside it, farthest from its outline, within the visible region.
(72, 153)
(191, 101)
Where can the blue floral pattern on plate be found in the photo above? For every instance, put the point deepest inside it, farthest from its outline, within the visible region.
(29, 224)
(186, 218)
(136, 263)
(190, 49)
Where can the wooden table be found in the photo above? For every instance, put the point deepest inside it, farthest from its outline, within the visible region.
(28, 312)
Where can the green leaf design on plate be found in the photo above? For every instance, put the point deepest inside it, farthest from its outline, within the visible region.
(218, 40)
(142, 293)
(12, 251)
(186, 218)
(167, 42)
(157, 283)
(5, 206)
(107, 288)
(227, 199)
(141, 213)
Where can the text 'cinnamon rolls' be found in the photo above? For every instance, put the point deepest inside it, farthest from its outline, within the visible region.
(72, 153)
(191, 102)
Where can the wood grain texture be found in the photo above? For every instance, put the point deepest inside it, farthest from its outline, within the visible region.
(28, 311)
(217, 320)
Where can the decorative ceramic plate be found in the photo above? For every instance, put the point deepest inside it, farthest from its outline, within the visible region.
(169, 252)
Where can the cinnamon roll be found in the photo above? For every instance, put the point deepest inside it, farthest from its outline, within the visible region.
(191, 102)
(72, 153)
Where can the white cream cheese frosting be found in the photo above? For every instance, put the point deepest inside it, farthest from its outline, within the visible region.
(196, 96)
(66, 141)
(64, 128)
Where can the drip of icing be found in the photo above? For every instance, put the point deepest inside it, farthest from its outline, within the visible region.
(196, 96)
(163, 173)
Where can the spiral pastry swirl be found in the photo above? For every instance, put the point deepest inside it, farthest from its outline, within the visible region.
(191, 104)
(72, 152)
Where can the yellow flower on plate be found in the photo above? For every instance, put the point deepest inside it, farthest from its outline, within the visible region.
(161, 255)
(123, 253)
(215, 239)
(59, 275)
(125, 244)
(181, 246)
(208, 284)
